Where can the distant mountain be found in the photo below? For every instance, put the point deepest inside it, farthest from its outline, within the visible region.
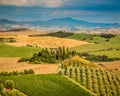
(5, 21)
(70, 23)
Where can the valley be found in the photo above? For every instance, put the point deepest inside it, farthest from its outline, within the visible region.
(86, 64)
(59, 47)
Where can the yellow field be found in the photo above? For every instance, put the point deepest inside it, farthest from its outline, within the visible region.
(23, 39)
(11, 64)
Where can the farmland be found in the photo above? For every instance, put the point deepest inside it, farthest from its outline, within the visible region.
(98, 45)
(78, 76)
(101, 82)
(10, 64)
(46, 85)
(44, 41)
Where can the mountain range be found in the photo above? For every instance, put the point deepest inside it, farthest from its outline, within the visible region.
(67, 22)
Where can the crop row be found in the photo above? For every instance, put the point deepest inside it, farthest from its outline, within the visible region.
(102, 82)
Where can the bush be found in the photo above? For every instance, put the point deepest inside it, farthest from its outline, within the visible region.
(107, 35)
(30, 71)
(15, 73)
(4, 74)
(23, 60)
(100, 58)
(9, 84)
(1, 88)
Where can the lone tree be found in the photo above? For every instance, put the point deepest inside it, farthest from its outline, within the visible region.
(9, 84)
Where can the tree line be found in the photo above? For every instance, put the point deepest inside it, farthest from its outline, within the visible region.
(50, 55)
(100, 58)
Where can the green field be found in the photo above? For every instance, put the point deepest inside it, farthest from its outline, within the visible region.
(81, 36)
(46, 85)
(11, 51)
(100, 49)
(98, 45)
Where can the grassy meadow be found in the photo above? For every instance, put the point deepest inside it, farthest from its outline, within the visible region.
(11, 51)
(98, 45)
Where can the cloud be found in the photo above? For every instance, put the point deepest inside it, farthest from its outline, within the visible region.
(41, 3)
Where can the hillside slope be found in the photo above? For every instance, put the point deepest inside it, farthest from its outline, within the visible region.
(46, 85)
(46, 41)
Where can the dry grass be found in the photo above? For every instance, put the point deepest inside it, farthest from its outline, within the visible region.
(15, 33)
(47, 41)
(23, 39)
(11, 64)
(113, 66)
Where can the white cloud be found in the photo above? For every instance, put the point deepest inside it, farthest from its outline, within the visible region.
(42, 3)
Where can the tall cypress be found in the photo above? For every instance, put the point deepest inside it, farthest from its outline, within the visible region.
(64, 53)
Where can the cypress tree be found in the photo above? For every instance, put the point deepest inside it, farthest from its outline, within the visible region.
(64, 53)
(58, 54)
(61, 52)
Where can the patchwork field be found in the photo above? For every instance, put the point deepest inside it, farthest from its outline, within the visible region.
(98, 45)
(83, 78)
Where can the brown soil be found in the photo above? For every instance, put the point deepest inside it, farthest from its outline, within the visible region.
(11, 64)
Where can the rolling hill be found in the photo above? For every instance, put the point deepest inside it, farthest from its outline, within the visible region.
(46, 85)
(65, 23)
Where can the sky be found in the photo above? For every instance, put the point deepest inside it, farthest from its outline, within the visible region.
(103, 11)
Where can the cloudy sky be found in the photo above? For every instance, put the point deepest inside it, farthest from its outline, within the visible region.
(88, 10)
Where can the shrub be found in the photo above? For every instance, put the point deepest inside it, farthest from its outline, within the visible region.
(100, 58)
(15, 73)
(30, 71)
(9, 84)
(107, 35)
(1, 88)
(4, 74)
(23, 60)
